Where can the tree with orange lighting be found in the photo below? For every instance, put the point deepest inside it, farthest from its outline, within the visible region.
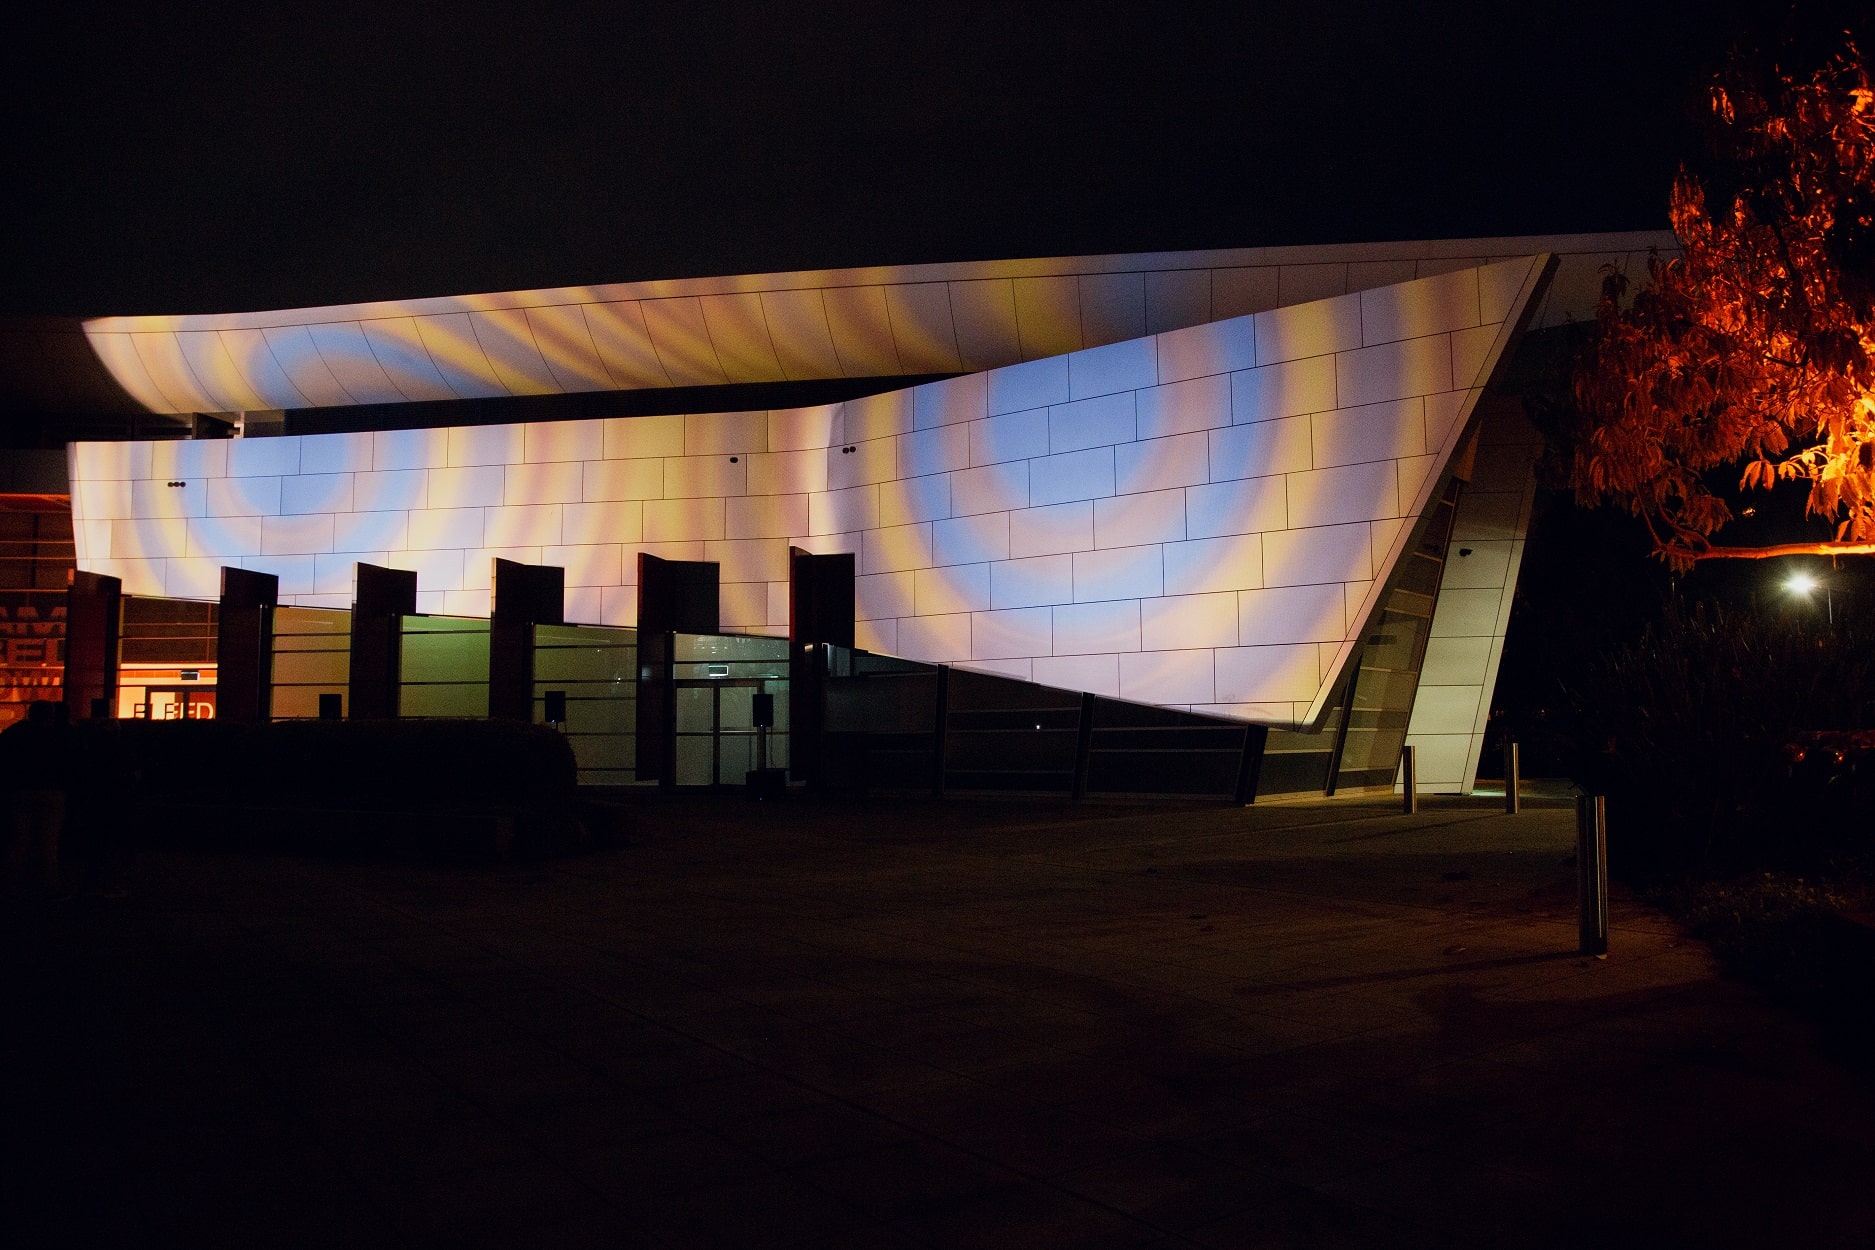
(1757, 343)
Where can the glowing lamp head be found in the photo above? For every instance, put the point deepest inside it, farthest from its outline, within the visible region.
(1800, 583)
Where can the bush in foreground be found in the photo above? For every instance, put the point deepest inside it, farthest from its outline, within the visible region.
(1807, 944)
(1739, 797)
(422, 787)
(1688, 732)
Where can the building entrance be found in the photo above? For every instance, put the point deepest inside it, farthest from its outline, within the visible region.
(174, 703)
(716, 734)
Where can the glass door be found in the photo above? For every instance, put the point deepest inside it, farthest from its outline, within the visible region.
(716, 730)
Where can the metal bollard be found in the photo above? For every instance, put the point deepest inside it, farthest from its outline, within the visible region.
(1410, 778)
(1513, 780)
(1592, 872)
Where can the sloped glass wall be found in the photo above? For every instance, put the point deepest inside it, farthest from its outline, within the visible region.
(445, 667)
(1387, 678)
(166, 659)
(898, 724)
(312, 654)
(593, 672)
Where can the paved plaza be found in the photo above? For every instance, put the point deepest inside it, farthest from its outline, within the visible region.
(893, 1023)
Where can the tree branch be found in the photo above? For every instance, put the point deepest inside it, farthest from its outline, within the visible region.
(1771, 553)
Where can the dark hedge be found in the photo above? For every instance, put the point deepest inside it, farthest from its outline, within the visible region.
(420, 789)
(392, 765)
(1691, 732)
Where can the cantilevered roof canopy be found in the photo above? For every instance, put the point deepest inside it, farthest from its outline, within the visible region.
(850, 323)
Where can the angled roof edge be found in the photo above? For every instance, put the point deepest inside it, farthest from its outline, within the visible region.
(1522, 308)
(1480, 249)
(872, 323)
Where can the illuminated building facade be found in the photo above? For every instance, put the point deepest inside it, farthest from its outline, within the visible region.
(1276, 487)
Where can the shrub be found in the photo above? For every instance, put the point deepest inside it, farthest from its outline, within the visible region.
(361, 764)
(1687, 732)
(1796, 939)
(422, 787)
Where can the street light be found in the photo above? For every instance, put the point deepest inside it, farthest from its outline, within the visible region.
(1804, 583)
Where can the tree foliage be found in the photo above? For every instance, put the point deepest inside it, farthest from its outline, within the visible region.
(1756, 344)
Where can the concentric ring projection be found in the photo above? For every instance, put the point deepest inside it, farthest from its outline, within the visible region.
(1202, 518)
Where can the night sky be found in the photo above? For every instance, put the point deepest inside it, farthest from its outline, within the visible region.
(215, 162)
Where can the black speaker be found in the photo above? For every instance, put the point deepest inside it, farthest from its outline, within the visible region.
(556, 707)
(764, 710)
(331, 707)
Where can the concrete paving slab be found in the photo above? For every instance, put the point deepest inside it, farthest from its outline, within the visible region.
(904, 1022)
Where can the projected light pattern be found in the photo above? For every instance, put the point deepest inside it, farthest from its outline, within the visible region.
(914, 319)
(1201, 518)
